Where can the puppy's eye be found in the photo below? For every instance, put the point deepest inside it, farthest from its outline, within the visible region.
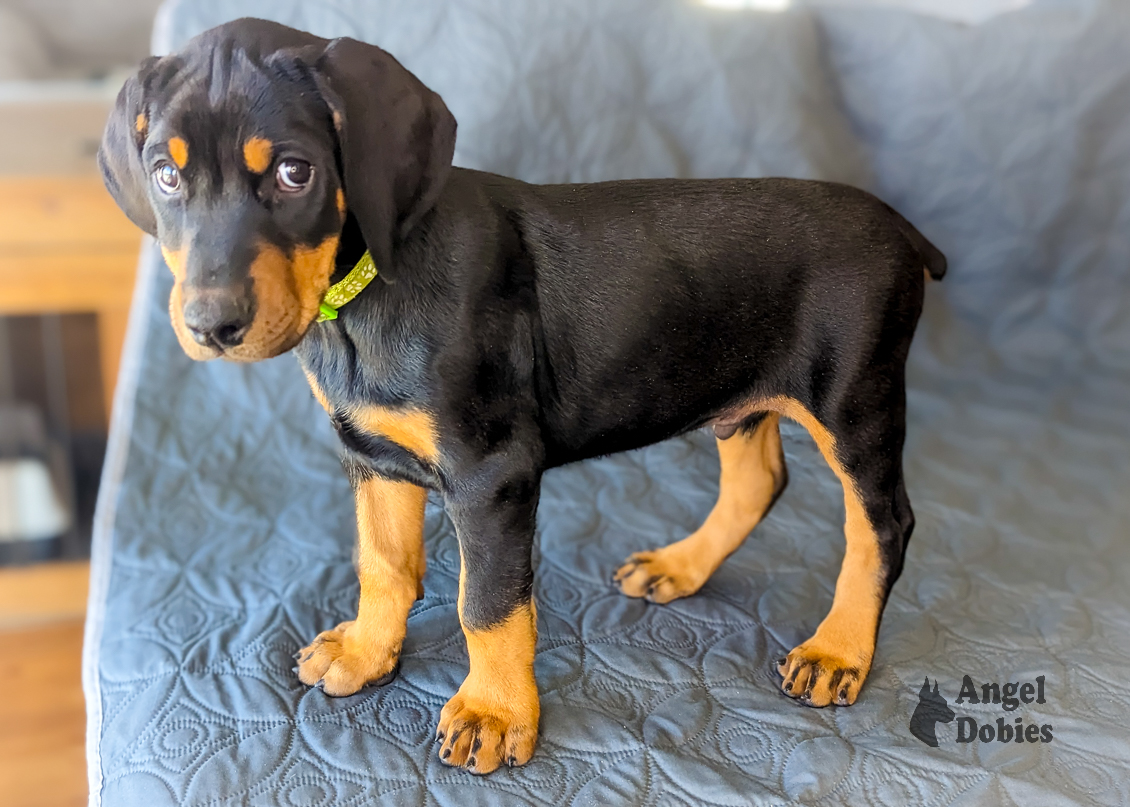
(293, 175)
(168, 177)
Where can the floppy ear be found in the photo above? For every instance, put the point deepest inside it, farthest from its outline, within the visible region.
(119, 156)
(396, 138)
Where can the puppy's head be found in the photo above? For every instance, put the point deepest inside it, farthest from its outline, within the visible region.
(244, 153)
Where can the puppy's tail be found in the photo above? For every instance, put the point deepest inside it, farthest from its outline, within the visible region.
(932, 257)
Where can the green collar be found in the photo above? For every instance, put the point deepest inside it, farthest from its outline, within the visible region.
(347, 288)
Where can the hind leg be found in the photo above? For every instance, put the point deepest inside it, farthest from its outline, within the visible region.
(831, 666)
(753, 475)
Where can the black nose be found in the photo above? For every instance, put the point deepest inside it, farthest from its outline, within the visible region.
(218, 318)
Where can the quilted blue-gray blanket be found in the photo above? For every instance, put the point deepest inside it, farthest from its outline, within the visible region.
(225, 526)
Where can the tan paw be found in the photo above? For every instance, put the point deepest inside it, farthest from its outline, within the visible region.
(819, 677)
(480, 738)
(344, 659)
(658, 576)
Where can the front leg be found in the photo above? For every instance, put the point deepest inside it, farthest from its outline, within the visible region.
(390, 566)
(493, 718)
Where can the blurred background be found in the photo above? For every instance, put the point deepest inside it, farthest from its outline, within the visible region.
(67, 264)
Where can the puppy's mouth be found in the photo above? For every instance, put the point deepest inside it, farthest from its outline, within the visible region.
(269, 334)
(267, 337)
(288, 290)
(265, 340)
(259, 352)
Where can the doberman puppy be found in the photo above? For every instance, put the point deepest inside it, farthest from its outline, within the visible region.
(513, 328)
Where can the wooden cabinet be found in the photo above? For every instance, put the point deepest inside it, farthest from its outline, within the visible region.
(66, 247)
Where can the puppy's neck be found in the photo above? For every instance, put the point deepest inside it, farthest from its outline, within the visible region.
(350, 249)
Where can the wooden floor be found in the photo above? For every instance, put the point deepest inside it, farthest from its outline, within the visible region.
(42, 713)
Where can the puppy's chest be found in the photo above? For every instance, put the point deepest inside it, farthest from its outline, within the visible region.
(407, 428)
(402, 440)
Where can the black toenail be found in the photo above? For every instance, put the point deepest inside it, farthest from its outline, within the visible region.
(388, 677)
(446, 753)
(439, 736)
(782, 661)
(471, 762)
(787, 687)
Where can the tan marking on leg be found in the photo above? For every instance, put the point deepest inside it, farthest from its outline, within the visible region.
(752, 474)
(319, 394)
(178, 150)
(390, 566)
(832, 665)
(141, 123)
(411, 429)
(288, 292)
(340, 199)
(257, 153)
(493, 719)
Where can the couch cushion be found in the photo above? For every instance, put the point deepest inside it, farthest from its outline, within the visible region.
(225, 527)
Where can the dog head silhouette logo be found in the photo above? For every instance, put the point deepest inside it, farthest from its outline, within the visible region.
(932, 708)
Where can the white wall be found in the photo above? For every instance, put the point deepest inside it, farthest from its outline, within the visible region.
(967, 11)
(72, 38)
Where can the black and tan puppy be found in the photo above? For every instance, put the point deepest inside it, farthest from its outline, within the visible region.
(514, 328)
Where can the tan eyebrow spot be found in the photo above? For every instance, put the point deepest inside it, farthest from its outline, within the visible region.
(257, 154)
(141, 124)
(178, 150)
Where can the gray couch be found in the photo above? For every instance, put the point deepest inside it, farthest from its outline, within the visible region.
(225, 525)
